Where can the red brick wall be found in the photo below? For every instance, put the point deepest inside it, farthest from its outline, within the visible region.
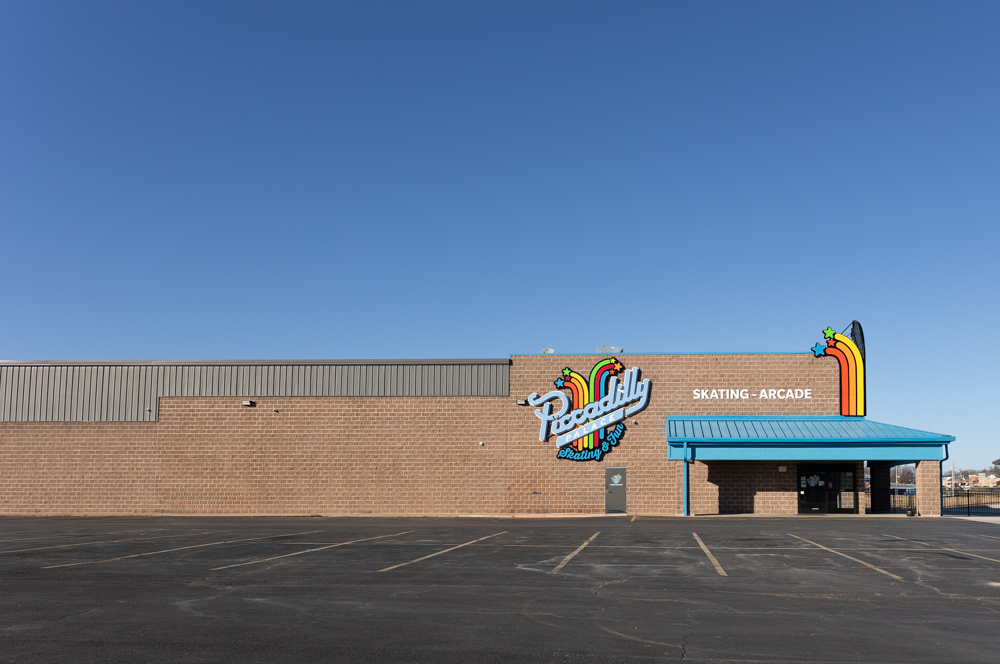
(316, 455)
(928, 480)
(744, 487)
(400, 455)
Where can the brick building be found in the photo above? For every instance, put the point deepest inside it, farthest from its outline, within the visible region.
(662, 434)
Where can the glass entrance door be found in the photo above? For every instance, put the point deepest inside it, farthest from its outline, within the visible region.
(827, 489)
(812, 491)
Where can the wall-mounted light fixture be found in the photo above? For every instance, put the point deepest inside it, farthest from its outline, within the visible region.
(522, 402)
(250, 404)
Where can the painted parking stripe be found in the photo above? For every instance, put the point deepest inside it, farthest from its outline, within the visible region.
(942, 548)
(571, 556)
(130, 539)
(417, 560)
(718, 567)
(299, 553)
(869, 565)
(180, 548)
(990, 536)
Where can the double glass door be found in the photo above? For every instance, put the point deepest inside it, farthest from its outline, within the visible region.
(827, 489)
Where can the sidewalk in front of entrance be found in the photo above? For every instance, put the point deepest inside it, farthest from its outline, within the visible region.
(984, 519)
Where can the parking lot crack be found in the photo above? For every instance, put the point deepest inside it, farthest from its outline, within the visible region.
(989, 604)
(689, 628)
(46, 621)
(187, 605)
(604, 584)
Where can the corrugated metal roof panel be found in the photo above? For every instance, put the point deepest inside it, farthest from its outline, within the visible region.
(693, 429)
(129, 392)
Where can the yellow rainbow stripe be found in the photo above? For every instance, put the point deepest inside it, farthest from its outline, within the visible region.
(857, 374)
(582, 391)
(585, 391)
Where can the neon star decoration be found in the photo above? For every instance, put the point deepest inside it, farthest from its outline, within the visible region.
(852, 370)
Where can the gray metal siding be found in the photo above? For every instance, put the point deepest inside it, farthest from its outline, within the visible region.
(123, 392)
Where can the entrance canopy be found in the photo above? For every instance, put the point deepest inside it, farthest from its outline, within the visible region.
(798, 438)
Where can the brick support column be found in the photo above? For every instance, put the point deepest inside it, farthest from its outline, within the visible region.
(928, 480)
(859, 486)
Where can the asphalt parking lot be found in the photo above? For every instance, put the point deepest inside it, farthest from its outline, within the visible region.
(716, 589)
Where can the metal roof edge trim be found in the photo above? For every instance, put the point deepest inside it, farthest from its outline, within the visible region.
(717, 418)
(929, 436)
(38, 363)
(823, 442)
(777, 352)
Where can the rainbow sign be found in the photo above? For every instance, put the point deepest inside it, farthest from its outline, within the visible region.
(589, 421)
(852, 370)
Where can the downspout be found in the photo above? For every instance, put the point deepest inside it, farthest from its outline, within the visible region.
(686, 510)
(941, 483)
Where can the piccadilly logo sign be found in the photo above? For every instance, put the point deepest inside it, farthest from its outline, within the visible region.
(587, 412)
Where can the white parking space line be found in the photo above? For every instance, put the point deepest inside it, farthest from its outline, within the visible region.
(869, 565)
(571, 556)
(299, 553)
(180, 548)
(417, 560)
(942, 548)
(130, 539)
(990, 536)
(718, 567)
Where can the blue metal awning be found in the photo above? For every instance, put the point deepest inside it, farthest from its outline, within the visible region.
(799, 438)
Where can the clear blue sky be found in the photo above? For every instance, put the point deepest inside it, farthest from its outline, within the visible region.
(419, 179)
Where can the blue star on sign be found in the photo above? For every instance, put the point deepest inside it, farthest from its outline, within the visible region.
(560, 382)
(819, 350)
